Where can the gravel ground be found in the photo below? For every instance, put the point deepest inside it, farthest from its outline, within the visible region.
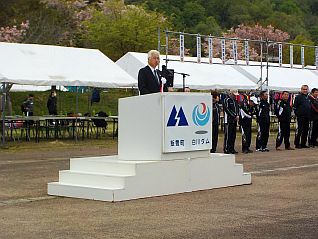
(282, 201)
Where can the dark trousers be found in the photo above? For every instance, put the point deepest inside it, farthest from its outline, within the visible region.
(313, 132)
(262, 135)
(246, 128)
(215, 136)
(283, 134)
(301, 131)
(229, 136)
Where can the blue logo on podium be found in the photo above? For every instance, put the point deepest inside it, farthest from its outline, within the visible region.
(201, 116)
(177, 118)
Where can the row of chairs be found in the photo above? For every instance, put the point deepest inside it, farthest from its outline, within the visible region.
(20, 130)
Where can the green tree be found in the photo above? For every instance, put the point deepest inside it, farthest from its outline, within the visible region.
(193, 13)
(314, 34)
(292, 24)
(116, 29)
(209, 26)
(309, 52)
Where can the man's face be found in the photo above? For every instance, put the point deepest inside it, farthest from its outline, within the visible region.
(315, 94)
(251, 103)
(215, 100)
(154, 61)
(265, 96)
(304, 90)
(285, 96)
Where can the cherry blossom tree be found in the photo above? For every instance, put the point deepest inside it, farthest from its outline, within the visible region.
(243, 32)
(240, 34)
(14, 33)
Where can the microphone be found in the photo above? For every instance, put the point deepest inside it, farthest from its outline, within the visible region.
(168, 75)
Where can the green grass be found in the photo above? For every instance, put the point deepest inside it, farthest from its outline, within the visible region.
(52, 145)
(67, 101)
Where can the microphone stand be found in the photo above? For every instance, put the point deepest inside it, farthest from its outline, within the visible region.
(183, 78)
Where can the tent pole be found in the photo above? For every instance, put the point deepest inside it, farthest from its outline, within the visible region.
(261, 78)
(3, 113)
(76, 109)
(60, 101)
(89, 104)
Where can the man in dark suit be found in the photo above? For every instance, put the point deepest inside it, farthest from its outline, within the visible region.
(231, 116)
(302, 108)
(149, 79)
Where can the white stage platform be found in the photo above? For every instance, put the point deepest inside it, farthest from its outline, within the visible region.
(109, 179)
(163, 148)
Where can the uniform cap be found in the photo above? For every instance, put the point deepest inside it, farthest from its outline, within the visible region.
(254, 99)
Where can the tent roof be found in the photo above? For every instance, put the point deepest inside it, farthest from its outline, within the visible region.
(202, 76)
(54, 65)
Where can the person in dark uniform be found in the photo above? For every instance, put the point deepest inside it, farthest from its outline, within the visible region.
(231, 117)
(313, 124)
(215, 120)
(52, 103)
(28, 105)
(247, 110)
(263, 120)
(302, 112)
(149, 79)
(283, 112)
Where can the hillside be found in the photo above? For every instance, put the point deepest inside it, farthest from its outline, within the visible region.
(297, 17)
(116, 27)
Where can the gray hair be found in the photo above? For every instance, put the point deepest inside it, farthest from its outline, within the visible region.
(151, 53)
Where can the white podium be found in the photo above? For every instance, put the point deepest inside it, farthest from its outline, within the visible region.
(147, 134)
(164, 146)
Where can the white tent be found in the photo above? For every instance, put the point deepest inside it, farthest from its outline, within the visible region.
(202, 76)
(54, 65)
(279, 78)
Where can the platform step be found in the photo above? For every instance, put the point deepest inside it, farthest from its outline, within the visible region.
(80, 191)
(110, 179)
(102, 166)
(90, 179)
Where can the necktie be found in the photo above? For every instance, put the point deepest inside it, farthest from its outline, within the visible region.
(155, 73)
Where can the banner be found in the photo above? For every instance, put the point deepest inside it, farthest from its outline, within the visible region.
(210, 41)
(246, 52)
(198, 49)
(223, 50)
(181, 47)
(187, 122)
(280, 54)
(302, 53)
(291, 55)
(234, 47)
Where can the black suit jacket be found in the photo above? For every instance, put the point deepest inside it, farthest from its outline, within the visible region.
(147, 83)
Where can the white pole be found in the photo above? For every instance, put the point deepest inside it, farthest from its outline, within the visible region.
(291, 56)
(199, 48)
(181, 47)
(210, 41)
(223, 50)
